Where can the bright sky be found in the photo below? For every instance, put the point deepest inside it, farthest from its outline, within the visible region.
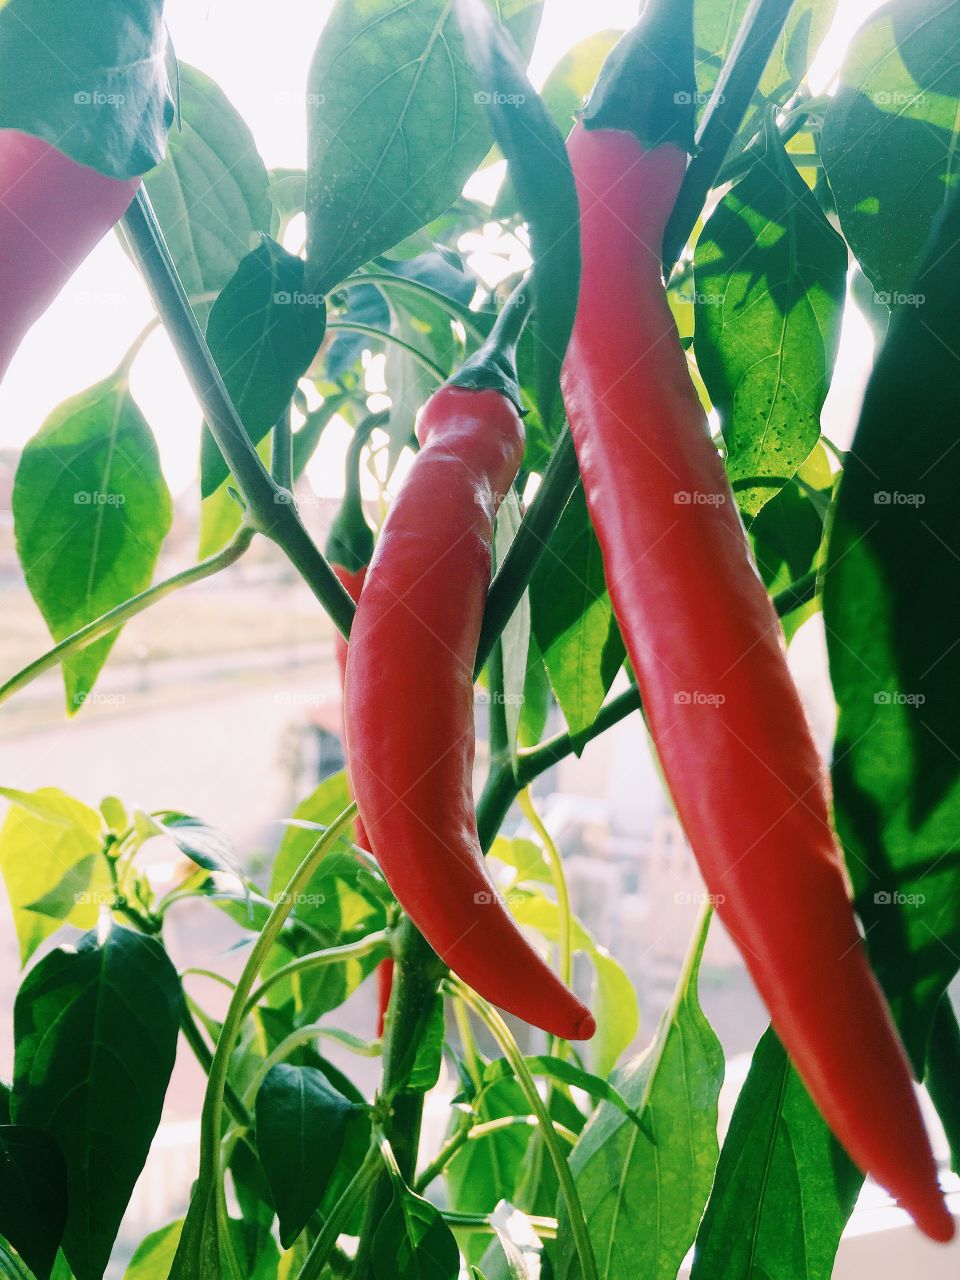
(256, 58)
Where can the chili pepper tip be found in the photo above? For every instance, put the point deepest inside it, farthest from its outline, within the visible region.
(586, 1028)
(934, 1220)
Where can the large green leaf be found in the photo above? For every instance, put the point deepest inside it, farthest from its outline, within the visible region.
(889, 140)
(95, 1031)
(91, 510)
(643, 1186)
(91, 79)
(33, 1195)
(52, 865)
(572, 617)
(892, 613)
(211, 192)
(395, 129)
(770, 280)
(264, 330)
(784, 1186)
(572, 78)
(301, 1126)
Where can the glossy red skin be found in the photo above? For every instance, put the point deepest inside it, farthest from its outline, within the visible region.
(744, 774)
(409, 705)
(352, 581)
(52, 213)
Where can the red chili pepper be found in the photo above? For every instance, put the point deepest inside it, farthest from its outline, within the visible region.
(349, 548)
(52, 213)
(409, 702)
(703, 639)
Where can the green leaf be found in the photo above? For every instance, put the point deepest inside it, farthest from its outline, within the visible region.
(425, 1069)
(770, 281)
(564, 1072)
(614, 999)
(412, 1241)
(301, 1125)
(643, 1188)
(889, 142)
(33, 1195)
(394, 130)
(485, 1170)
(207, 846)
(211, 192)
(343, 901)
(787, 535)
(91, 510)
(221, 515)
(95, 1032)
(264, 331)
(543, 180)
(154, 1255)
(90, 80)
(716, 24)
(572, 617)
(572, 78)
(784, 1187)
(50, 856)
(892, 612)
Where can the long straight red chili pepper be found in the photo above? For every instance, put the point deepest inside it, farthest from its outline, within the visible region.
(702, 636)
(349, 547)
(52, 213)
(409, 702)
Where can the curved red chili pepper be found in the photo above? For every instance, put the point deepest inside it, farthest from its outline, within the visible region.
(409, 704)
(708, 654)
(52, 213)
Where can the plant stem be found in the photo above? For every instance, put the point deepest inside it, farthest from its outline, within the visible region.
(203, 1054)
(555, 862)
(326, 1241)
(114, 618)
(474, 1134)
(466, 317)
(729, 102)
(513, 577)
(378, 942)
(270, 508)
(416, 981)
(212, 1114)
(568, 1190)
(281, 456)
(546, 1228)
(350, 326)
